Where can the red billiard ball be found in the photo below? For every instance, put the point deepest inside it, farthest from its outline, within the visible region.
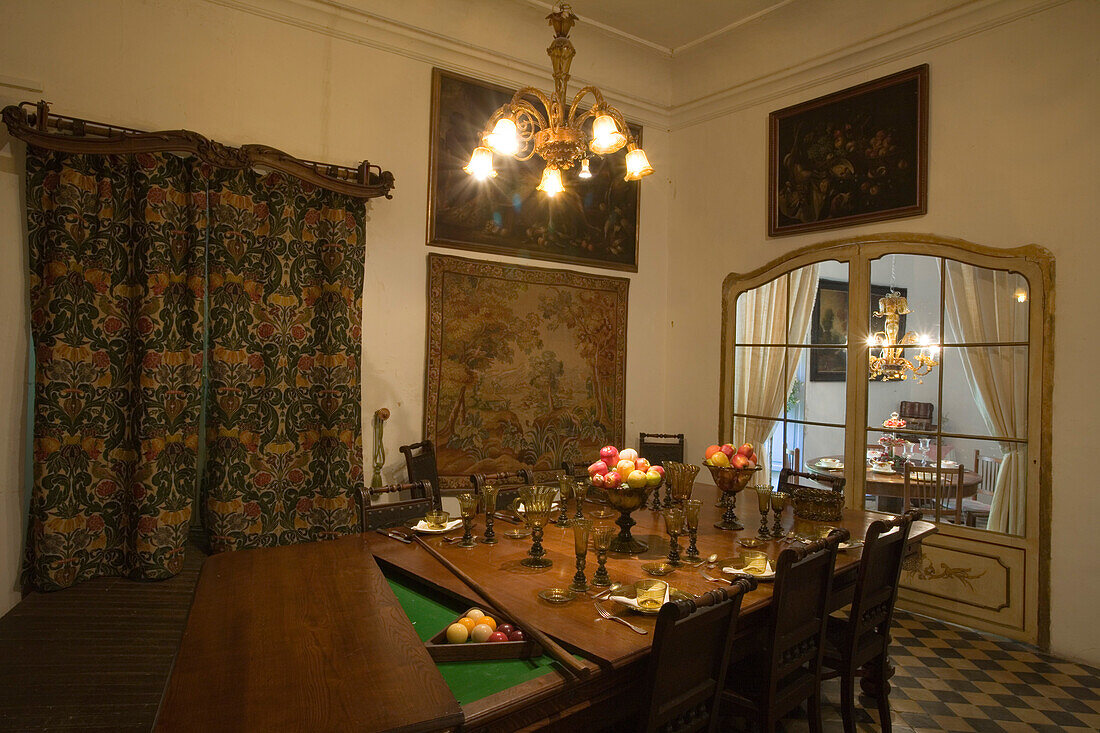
(497, 636)
(517, 635)
(506, 629)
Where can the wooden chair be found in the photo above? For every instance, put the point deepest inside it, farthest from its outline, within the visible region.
(917, 415)
(511, 482)
(936, 491)
(576, 471)
(766, 685)
(978, 507)
(792, 459)
(421, 466)
(863, 639)
(789, 481)
(660, 447)
(687, 665)
(372, 516)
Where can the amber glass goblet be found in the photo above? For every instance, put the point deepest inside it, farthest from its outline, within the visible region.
(779, 501)
(674, 524)
(580, 490)
(565, 491)
(467, 506)
(601, 543)
(692, 507)
(581, 529)
(537, 503)
(763, 502)
(489, 499)
(681, 480)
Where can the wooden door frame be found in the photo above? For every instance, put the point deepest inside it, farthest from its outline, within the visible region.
(1035, 263)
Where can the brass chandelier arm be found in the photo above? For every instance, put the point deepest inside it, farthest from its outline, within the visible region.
(600, 105)
(624, 128)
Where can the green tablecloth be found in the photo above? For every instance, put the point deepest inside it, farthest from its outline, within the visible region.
(469, 681)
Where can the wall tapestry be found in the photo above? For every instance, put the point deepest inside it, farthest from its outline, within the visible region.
(526, 366)
(855, 156)
(593, 222)
(829, 325)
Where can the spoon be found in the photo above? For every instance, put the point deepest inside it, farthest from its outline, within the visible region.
(609, 590)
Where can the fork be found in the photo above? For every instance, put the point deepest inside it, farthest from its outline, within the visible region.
(714, 580)
(612, 617)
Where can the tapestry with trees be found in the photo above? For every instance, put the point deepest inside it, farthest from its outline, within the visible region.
(526, 366)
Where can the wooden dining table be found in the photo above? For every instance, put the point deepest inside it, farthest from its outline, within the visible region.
(889, 483)
(308, 638)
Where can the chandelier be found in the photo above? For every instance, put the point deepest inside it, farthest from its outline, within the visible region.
(556, 130)
(890, 362)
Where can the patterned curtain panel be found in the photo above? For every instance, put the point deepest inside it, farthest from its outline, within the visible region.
(116, 293)
(284, 434)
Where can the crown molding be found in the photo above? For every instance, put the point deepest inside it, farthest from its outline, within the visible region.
(612, 31)
(900, 43)
(345, 22)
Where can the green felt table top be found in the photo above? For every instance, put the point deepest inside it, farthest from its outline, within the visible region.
(469, 681)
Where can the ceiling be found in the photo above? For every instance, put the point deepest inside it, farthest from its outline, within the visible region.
(668, 24)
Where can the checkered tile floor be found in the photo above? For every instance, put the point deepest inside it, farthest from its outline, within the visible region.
(953, 679)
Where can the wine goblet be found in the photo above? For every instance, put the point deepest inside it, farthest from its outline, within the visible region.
(681, 481)
(779, 501)
(565, 490)
(581, 529)
(467, 506)
(580, 490)
(692, 508)
(489, 498)
(601, 543)
(763, 502)
(674, 524)
(537, 503)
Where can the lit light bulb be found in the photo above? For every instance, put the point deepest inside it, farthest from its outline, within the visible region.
(551, 183)
(481, 164)
(1021, 296)
(872, 341)
(606, 138)
(637, 165)
(585, 172)
(504, 138)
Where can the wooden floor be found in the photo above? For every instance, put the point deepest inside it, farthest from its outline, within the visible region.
(95, 656)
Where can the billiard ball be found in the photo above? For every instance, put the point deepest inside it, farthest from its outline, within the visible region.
(457, 633)
(517, 635)
(468, 622)
(481, 633)
(506, 628)
(488, 620)
(475, 613)
(497, 636)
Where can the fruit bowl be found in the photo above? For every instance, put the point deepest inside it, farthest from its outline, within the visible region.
(626, 499)
(730, 480)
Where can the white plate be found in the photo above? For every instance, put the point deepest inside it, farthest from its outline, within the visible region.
(850, 545)
(949, 464)
(830, 464)
(769, 575)
(426, 528)
(882, 470)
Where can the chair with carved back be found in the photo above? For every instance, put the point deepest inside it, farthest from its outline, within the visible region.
(935, 491)
(858, 645)
(977, 507)
(509, 482)
(791, 480)
(917, 415)
(770, 682)
(421, 465)
(389, 514)
(689, 659)
(660, 447)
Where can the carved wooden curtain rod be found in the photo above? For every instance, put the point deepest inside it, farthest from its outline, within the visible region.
(36, 125)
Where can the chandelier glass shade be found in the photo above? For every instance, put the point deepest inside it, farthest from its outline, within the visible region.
(555, 128)
(890, 362)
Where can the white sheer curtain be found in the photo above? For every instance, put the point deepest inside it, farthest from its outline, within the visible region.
(760, 384)
(981, 308)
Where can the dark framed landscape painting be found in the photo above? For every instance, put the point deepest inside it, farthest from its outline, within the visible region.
(856, 156)
(829, 325)
(594, 222)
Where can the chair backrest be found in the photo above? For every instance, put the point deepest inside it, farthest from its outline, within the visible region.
(660, 447)
(690, 655)
(375, 516)
(510, 483)
(800, 601)
(789, 480)
(936, 490)
(421, 466)
(917, 415)
(575, 470)
(986, 467)
(792, 458)
(876, 592)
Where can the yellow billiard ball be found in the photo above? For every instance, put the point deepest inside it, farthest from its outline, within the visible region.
(475, 613)
(457, 633)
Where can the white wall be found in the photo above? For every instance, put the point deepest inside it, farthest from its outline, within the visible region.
(1012, 153)
(239, 77)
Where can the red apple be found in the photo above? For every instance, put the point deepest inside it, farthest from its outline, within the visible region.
(609, 454)
(598, 467)
(658, 469)
(750, 463)
(641, 464)
(739, 461)
(628, 454)
(612, 480)
(745, 450)
(599, 480)
(729, 450)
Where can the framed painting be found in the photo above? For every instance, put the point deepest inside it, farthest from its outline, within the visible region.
(829, 325)
(852, 157)
(594, 222)
(525, 366)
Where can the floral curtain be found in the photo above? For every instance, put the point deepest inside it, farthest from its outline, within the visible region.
(284, 434)
(116, 289)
